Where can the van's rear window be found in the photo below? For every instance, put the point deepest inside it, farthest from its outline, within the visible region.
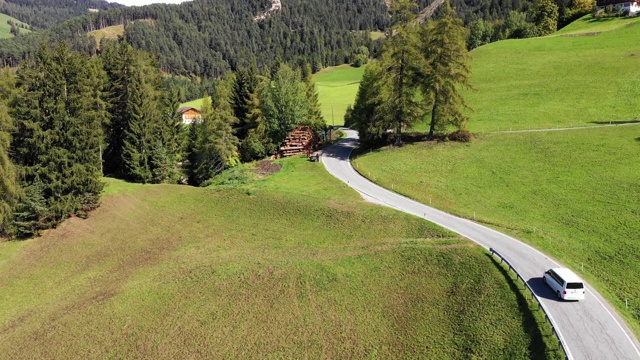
(575, 286)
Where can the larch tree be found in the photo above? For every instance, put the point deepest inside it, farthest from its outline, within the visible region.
(446, 71)
(400, 63)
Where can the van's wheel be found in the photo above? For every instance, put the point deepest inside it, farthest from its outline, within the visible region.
(544, 279)
(558, 293)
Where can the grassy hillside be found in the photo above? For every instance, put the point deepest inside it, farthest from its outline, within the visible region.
(558, 81)
(574, 194)
(197, 103)
(288, 267)
(109, 32)
(5, 28)
(337, 88)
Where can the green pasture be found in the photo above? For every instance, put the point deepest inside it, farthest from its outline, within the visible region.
(292, 266)
(194, 103)
(337, 88)
(558, 81)
(109, 32)
(574, 194)
(5, 28)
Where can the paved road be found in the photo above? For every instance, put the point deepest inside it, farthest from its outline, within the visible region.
(591, 328)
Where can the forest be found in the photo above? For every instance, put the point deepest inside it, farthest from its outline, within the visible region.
(43, 14)
(206, 38)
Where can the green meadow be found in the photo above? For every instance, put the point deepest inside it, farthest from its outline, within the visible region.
(5, 28)
(194, 103)
(573, 194)
(292, 266)
(337, 88)
(582, 76)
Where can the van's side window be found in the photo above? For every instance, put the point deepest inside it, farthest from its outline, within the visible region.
(555, 277)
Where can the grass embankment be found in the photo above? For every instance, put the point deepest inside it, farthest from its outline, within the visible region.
(558, 81)
(337, 88)
(5, 28)
(292, 266)
(574, 194)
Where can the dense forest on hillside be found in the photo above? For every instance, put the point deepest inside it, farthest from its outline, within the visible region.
(43, 14)
(209, 37)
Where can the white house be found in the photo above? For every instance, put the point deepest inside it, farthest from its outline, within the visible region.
(631, 7)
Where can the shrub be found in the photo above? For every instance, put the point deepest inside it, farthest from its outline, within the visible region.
(461, 136)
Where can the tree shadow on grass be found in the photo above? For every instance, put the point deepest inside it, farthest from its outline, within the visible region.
(538, 331)
(616, 122)
(638, 139)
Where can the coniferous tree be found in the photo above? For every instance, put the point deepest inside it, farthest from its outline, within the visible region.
(257, 143)
(446, 71)
(143, 132)
(216, 147)
(9, 188)
(400, 63)
(244, 85)
(59, 133)
(365, 115)
(315, 113)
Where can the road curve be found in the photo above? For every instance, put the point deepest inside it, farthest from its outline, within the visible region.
(591, 328)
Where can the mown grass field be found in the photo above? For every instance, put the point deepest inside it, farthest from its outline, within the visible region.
(293, 266)
(573, 194)
(578, 79)
(5, 28)
(337, 88)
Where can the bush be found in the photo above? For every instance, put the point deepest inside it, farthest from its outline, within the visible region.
(461, 136)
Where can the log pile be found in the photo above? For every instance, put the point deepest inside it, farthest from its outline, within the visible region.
(299, 140)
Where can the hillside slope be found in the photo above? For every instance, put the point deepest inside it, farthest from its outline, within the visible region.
(583, 75)
(292, 266)
(208, 37)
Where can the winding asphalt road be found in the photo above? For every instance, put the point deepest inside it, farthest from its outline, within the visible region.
(591, 328)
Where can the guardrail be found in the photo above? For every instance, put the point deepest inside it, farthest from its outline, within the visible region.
(548, 317)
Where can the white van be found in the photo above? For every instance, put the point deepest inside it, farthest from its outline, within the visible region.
(565, 283)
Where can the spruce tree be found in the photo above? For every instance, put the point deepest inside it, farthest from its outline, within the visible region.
(365, 115)
(315, 113)
(216, 147)
(244, 85)
(143, 118)
(9, 188)
(59, 133)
